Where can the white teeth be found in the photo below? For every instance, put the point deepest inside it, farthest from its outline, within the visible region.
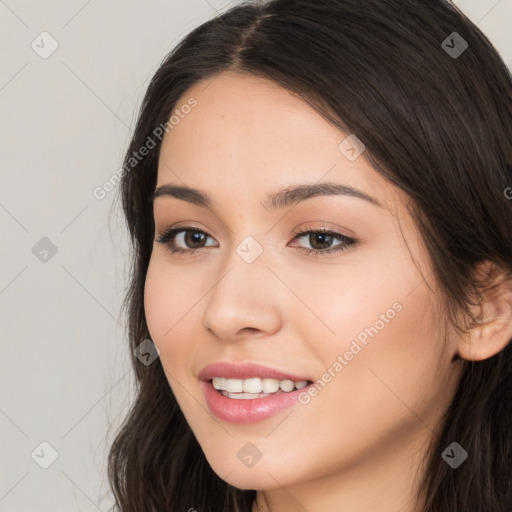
(270, 385)
(286, 385)
(254, 387)
(234, 385)
(219, 383)
(244, 396)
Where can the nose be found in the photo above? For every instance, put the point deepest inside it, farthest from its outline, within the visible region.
(244, 301)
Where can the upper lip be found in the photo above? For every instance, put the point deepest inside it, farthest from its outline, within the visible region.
(245, 371)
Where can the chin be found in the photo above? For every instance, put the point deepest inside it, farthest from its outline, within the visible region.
(245, 479)
(261, 476)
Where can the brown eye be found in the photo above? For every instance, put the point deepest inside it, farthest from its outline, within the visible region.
(194, 239)
(191, 238)
(322, 240)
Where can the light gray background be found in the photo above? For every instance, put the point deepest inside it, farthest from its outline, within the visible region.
(65, 123)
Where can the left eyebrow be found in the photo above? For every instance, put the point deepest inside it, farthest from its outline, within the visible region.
(286, 197)
(295, 194)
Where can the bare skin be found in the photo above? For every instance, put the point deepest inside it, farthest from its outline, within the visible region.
(357, 445)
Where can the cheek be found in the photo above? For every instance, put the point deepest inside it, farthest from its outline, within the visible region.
(168, 300)
(353, 302)
(169, 309)
(386, 349)
(156, 300)
(163, 311)
(387, 374)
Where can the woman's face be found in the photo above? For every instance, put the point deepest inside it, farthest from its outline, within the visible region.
(358, 322)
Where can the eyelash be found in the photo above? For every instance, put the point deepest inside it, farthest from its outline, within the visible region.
(169, 235)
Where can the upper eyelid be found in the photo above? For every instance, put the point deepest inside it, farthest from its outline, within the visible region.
(298, 232)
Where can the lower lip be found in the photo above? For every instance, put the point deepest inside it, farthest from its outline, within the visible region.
(248, 410)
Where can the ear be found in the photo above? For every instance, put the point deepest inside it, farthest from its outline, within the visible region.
(491, 330)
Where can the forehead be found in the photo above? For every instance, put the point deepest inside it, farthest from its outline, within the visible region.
(234, 110)
(250, 133)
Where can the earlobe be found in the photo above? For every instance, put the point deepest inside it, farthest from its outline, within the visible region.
(491, 330)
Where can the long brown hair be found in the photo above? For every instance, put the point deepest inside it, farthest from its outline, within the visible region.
(436, 119)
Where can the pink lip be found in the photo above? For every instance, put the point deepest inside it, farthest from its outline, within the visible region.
(251, 410)
(245, 371)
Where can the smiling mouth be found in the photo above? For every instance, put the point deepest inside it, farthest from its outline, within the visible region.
(255, 387)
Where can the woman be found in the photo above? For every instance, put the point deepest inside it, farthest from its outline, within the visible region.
(317, 198)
